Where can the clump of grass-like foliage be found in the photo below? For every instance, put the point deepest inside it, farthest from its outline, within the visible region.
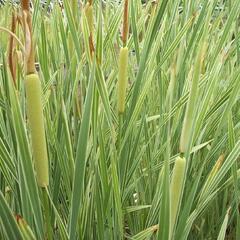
(120, 120)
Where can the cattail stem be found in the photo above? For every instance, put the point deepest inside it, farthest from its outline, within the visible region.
(176, 189)
(49, 234)
(29, 46)
(120, 128)
(13, 35)
(35, 114)
(36, 123)
(122, 79)
(11, 59)
(125, 24)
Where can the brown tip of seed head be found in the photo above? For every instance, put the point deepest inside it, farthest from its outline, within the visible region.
(125, 23)
(25, 5)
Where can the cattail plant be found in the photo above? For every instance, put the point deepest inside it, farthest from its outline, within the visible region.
(117, 174)
(123, 63)
(34, 103)
(176, 189)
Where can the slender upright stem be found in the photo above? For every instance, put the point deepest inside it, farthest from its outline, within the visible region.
(125, 24)
(49, 233)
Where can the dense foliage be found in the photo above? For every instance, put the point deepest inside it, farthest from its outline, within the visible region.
(112, 173)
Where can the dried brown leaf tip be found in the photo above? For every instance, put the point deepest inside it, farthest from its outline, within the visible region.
(91, 45)
(18, 217)
(219, 162)
(155, 228)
